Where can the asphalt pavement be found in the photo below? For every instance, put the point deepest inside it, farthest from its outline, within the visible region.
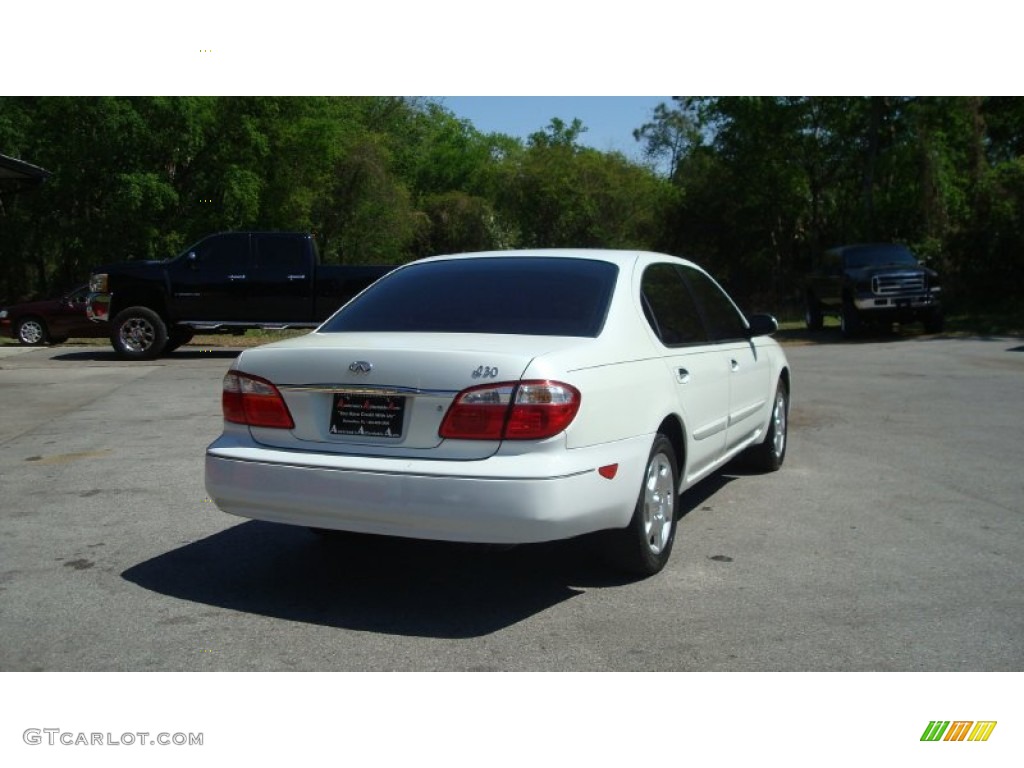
(892, 539)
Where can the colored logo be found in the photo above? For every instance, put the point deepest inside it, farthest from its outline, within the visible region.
(958, 730)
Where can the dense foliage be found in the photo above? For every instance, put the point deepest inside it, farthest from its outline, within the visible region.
(749, 187)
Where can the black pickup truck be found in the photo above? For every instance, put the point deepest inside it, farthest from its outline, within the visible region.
(872, 285)
(227, 282)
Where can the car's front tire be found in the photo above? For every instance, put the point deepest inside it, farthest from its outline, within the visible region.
(32, 332)
(849, 320)
(138, 333)
(769, 454)
(643, 547)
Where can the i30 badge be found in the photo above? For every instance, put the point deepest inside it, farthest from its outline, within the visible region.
(361, 366)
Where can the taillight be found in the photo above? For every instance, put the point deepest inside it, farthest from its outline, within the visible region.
(254, 401)
(525, 410)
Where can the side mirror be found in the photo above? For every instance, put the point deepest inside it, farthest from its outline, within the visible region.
(762, 325)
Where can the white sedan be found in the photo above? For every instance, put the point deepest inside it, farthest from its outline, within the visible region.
(506, 397)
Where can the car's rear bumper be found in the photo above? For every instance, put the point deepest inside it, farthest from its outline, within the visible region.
(505, 499)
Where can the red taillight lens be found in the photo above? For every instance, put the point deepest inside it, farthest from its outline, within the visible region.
(253, 401)
(527, 410)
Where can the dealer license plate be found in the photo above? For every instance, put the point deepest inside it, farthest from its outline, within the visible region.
(367, 415)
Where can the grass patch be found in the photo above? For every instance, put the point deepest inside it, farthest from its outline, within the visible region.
(987, 323)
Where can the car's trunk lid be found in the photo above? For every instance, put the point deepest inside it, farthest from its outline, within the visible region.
(385, 394)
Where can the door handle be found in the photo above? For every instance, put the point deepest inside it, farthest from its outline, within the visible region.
(296, 277)
(683, 375)
(236, 277)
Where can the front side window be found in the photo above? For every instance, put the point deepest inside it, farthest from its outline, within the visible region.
(223, 253)
(503, 295)
(723, 320)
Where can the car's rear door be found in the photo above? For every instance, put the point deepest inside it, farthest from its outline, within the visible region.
(280, 283)
(698, 369)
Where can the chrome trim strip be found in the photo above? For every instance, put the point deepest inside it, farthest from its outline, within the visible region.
(744, 413)
(445, 476)
(711, 429)
(213, 325)
(356, 389)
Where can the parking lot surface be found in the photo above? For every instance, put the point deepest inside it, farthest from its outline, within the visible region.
(892, 539)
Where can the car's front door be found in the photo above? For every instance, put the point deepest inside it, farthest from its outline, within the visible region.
(749, 373)
(210, 282)
(69, 318)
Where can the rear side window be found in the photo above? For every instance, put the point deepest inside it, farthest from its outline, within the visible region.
(514, 295)
(670, 308)
(281, 252)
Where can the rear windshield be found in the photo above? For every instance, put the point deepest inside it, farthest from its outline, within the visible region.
(514, 295)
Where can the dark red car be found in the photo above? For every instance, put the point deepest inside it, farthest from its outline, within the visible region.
(51, 321)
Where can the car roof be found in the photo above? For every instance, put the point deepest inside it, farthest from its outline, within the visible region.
(868, 246)
(621, 258)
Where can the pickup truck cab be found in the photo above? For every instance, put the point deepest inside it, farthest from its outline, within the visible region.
(871, 285)
(226, 282)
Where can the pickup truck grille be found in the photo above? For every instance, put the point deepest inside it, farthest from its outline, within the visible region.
(897, 284)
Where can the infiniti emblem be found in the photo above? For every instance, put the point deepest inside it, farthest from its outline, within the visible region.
(361, 366)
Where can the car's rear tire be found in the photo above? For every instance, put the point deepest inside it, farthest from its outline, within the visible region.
(768, 455)
(935, 322)
(643, 547)
(32, 332)
(813, 318)
(138, 333)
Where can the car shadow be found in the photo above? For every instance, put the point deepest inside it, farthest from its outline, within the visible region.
(372, 583)
(197, 353)
(108, 356)
(384, 585)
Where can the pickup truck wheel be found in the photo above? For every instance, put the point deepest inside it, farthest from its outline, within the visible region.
(812, 315)
(138, 334)
(935, 322)
(32, 331)
(643, 547)
(849, 320)
(768, 455)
